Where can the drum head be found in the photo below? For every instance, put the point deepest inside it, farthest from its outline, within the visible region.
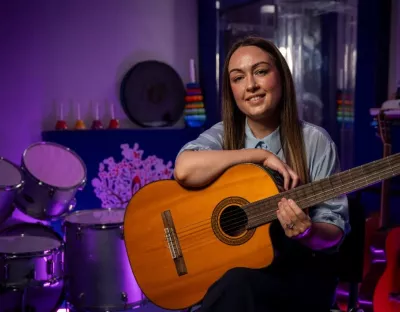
(54, 165)
(44, 299)
(153, 94)
(19, 244)
(97, 216)
(10, 175)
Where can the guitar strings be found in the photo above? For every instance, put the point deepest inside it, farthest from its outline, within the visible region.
(206, 242)
(389, 169)
(248, 207)
(210, 231)
(268, 213)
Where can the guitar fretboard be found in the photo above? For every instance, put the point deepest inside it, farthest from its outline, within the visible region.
(308, 195)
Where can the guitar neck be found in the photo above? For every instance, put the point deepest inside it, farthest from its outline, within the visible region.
(384, 208)
(308, 195)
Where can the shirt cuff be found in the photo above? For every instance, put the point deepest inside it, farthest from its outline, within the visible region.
(325, 215)
(331, 218)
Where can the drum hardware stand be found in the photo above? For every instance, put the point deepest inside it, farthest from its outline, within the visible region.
(26, 308)
(30, 278)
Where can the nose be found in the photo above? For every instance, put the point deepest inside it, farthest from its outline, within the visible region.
(251, 84)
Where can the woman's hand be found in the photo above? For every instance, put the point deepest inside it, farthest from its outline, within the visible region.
(294, 221)
(290, 178)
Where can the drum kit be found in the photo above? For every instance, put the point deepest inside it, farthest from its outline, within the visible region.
(86, 266)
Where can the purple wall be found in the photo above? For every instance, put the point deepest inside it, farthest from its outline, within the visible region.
(79, 50)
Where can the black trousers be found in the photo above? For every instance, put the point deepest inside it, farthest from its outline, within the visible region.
(252, 290)
(297, 280)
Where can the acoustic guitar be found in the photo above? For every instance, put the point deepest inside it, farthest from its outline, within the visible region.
(179, 241)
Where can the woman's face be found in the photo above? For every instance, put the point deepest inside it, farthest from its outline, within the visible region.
(255, 82)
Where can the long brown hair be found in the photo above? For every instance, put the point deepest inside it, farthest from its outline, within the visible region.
(291, 133)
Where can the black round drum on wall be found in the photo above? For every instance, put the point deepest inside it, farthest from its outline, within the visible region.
(153, 94)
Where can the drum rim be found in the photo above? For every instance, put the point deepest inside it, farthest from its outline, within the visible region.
(26, 170)
(93, 225)
(15, 186)
(16, 255)
(13, 255)
(56, 236)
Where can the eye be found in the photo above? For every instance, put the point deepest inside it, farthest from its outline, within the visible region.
(262, 72)
(238, 78)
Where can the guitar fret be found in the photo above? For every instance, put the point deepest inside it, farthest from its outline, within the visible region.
(316, 192)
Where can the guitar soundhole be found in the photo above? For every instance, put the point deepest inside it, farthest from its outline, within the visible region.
(233, 221)
(229, 221)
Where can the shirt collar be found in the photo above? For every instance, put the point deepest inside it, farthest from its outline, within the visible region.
(272, 141)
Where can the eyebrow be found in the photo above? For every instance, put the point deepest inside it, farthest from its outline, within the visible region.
(252, 67)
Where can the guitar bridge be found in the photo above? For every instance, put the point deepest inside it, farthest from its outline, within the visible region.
(173, 243)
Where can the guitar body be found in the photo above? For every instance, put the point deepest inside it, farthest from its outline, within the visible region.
(387, 291)
(205, 245)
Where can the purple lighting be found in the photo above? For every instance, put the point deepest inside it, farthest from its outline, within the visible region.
(346, 294)
(379, 255)
(376, 250)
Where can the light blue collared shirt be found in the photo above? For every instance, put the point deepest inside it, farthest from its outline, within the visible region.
(322, 161)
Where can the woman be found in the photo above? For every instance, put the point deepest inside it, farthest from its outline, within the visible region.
(260, 125)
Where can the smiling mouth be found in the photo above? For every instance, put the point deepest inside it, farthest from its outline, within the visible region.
(255, 99)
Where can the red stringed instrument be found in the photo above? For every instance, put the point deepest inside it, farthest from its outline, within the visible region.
(387, 291)
(376, 225)
(180, 241)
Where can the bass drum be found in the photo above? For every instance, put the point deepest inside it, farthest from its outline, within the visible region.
(43, 298)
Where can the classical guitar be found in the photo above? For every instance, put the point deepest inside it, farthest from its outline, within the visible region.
(179, 241)
(387, 290)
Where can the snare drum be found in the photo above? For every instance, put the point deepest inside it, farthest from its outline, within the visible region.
(53, 174)
(98, 273)
(38, 255)
(10, 183)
